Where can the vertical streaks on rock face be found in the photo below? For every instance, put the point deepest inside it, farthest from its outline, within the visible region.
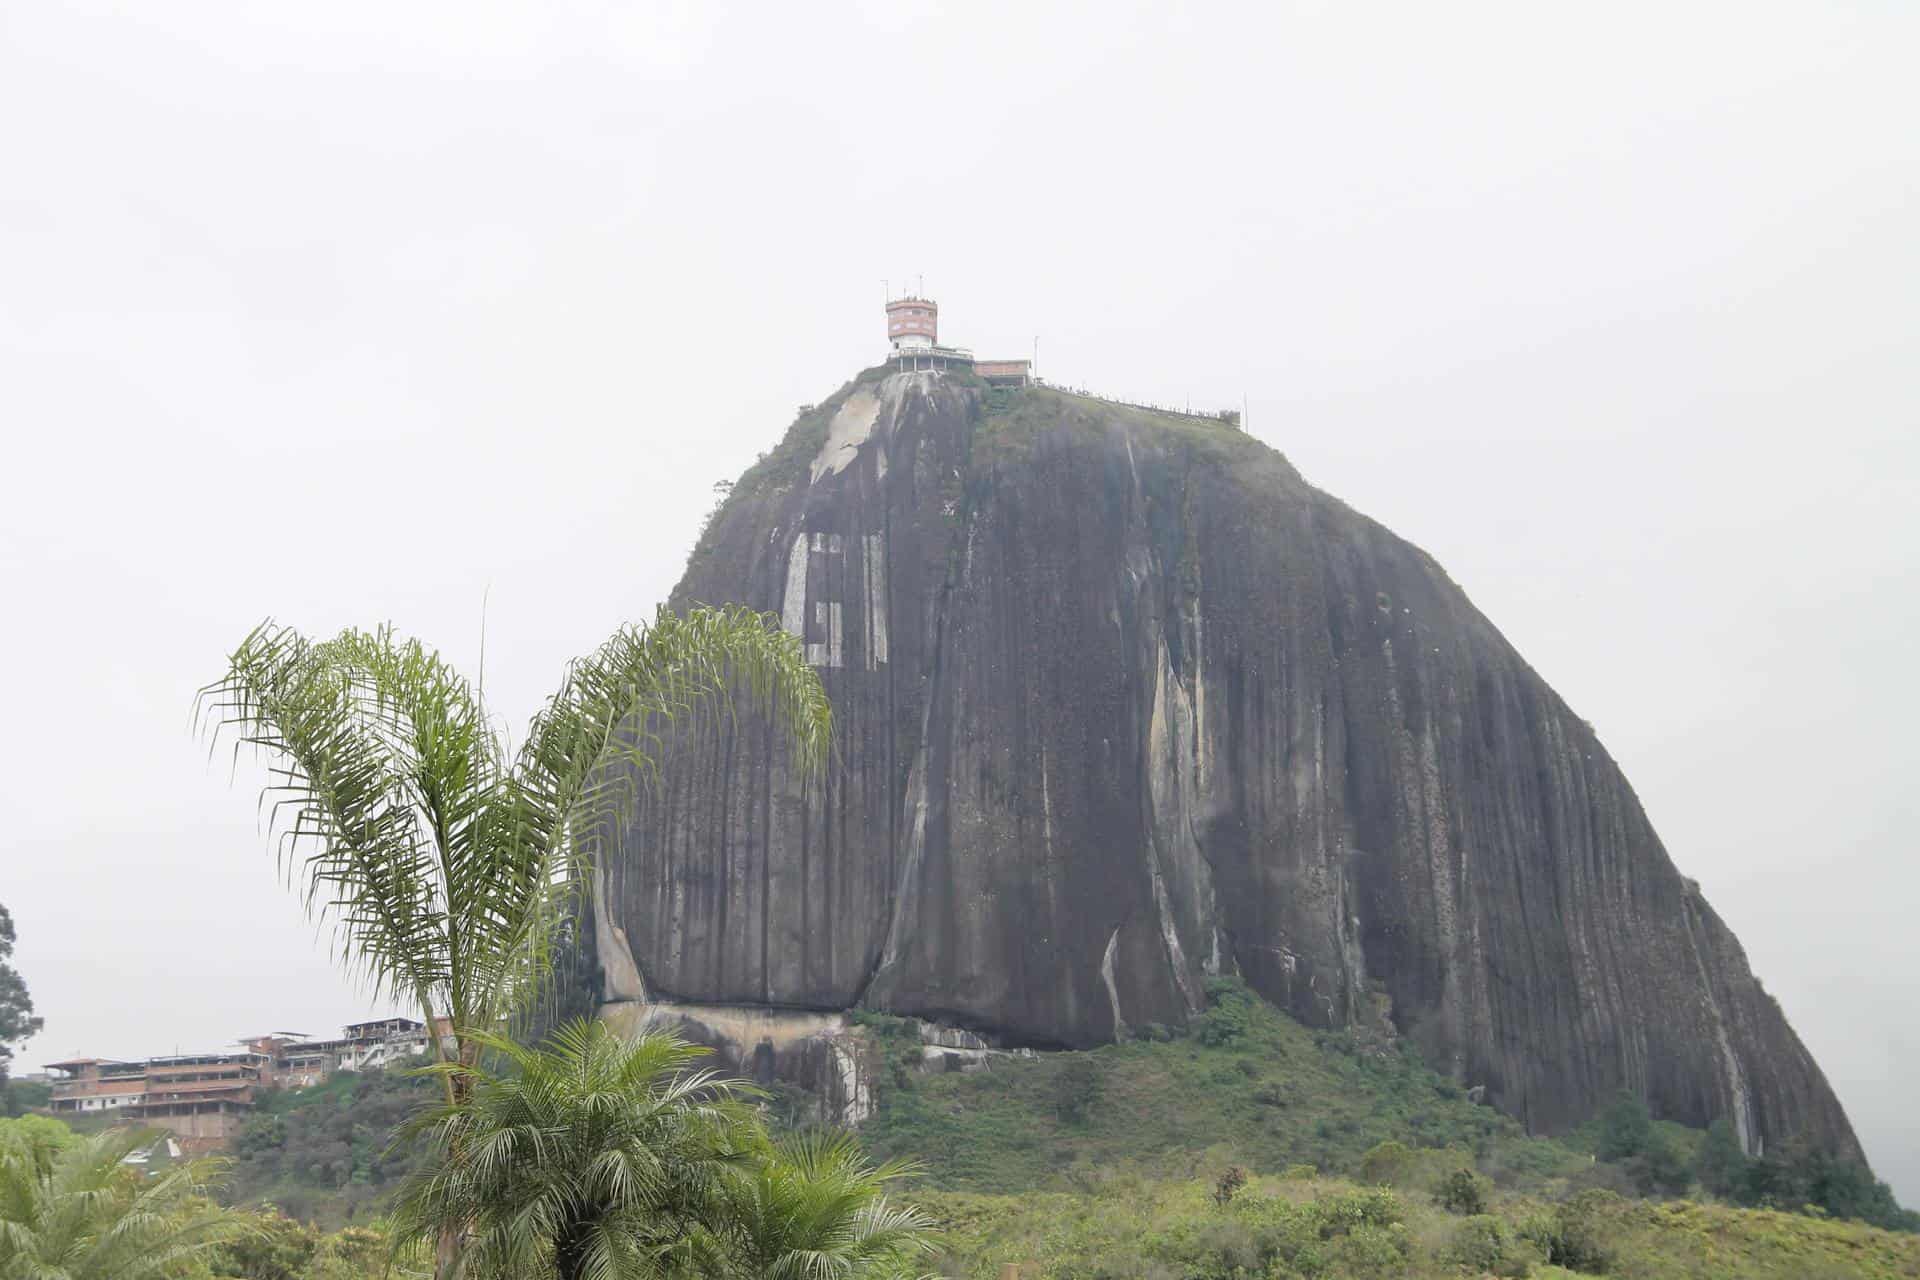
(1122, 702)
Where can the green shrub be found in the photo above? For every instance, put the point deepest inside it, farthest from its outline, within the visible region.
(1483, 1244)
(1076, 1088)
(1720, 1164)
(1626, 1128)
(22, 1096)
(898, 1041)
(1661, 1170)
(1272, 1094)
(1230, 1006)
(1370, 1251)
(1344, 1214)
(1462, 1191)
(277, 1248)
(1386, 1164)
(1574, 1234)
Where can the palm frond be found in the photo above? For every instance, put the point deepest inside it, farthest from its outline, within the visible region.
(607, 733)
(345, 799)
(79, 1213)
(448, 867)
(816, 1207)
(580, 1132)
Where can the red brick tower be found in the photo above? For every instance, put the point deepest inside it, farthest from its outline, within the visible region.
(913, 323)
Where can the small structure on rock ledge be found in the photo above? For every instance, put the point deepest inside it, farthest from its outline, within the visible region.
(913, 331)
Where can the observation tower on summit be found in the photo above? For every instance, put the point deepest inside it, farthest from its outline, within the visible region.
(913, 324)
(913, 334)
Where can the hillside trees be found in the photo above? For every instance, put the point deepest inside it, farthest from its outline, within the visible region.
(445, 860)
(326, 1154)
(1720, 1164)
(1797, 1177)
(1802, 1176)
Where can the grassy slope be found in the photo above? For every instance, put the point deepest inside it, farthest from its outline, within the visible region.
(1102, 1164)
(1268, 1094)
(1285, 1228)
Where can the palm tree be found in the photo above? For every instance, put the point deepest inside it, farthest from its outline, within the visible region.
(588, 1156)
(592, 1156)
(76, 1212)
(446, 862)
(817, 1209)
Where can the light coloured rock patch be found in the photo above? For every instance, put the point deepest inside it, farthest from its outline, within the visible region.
(740, 1024)
(615, 952)
(793, 602)
(850, 427)
(821, 1051)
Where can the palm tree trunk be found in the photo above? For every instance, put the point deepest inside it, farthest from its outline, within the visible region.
(570, 1252)
(446, 1254)
(452, 1239)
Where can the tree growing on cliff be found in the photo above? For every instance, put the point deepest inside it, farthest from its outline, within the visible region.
(17, 1020)
(445, 860)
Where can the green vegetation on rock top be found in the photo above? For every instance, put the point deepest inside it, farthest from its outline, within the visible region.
(1012, 417)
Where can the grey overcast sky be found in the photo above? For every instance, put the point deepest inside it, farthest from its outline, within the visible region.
(350, 312)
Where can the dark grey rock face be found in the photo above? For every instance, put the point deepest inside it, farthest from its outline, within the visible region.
(1123, 702)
